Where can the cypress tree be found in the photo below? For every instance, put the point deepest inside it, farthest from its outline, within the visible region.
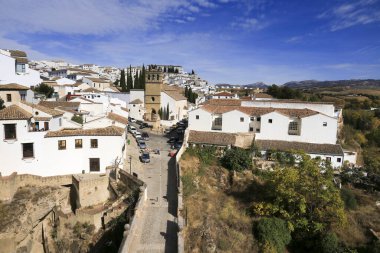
(168, 112)
(136, 84)
(143, 78)
(123, 86)
(130, 80)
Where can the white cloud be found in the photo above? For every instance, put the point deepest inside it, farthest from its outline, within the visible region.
(95, 17)
(352, 14)
(249, 24)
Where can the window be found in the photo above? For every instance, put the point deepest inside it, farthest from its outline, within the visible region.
(152, 98)
(252, 118)
(60, 122)
(328, 159)
(324, 124)
(94, 164)
(9, 131)
(270, 121)
(257, 130)
(61, 144)
(241, 119)
(94, 143)
(251, 129)
(196, 116)
(78, 143)
(20, 68)
(258, 118)
(9, 97)
(339, 159)
(27, 150)
(23, 96)
(218, 121)
(46, 126)
(293, 126)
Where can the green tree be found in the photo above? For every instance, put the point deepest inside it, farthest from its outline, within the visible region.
(349, 199)
(237, 159)
(186, 91)
(192, 72)
(130, 79)
(167, 112)
(44, 89)
(329, 243)
(136, 84)
(2, 106)
(77, 118)
(273, 231)
(122, 81)
(305, 197)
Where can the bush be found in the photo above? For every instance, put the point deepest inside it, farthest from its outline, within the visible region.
(78, 119)
(349, 199)
(45, 89)
(237, 159)
(329, 243)
(272, 231)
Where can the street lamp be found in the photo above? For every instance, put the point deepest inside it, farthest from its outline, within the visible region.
(130, 165)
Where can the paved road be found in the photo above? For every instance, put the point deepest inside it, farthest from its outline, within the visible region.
(158, 233)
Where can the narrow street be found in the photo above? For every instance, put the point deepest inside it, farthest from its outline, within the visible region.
(158, 231)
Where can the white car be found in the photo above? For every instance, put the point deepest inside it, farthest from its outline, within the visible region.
(137, 134)
(132, 129)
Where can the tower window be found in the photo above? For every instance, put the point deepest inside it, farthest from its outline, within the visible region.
(153, 99)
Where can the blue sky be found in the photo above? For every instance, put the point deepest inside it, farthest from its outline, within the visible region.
(225, 41)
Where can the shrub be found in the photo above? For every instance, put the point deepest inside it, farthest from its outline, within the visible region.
(78, 119)
(349, 199)
(329, 243)
(272, 233)
(237, 159)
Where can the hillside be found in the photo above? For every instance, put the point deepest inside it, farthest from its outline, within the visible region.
(337, 83)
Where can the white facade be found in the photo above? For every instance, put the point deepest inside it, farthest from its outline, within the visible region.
(324, 108)
(49, 160)
(177, 107)
(8, 74)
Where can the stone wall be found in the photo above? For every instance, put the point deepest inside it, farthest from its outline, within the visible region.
(91, 189)
(10, 184)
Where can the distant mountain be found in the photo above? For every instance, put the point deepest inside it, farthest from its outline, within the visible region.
(260, 85)
(341, 83)
(251, 85)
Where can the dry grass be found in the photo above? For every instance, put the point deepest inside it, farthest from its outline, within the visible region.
(215, 219)
(366, 216)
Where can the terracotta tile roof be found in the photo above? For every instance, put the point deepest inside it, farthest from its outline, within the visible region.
(55, 104)
(310, 148)
(91, 90)
(224, 94)
(258, 111)
(47, 110)
(175, 95)
(213, 138)
(17, 53)
(136, 101)
(262, 95)
(98, 80)
(42, 118)
(21, 60)
(295, 101)
(124, 109)
(106, 131)
(14, 112)
(118, 118)
(228, 102)
(13, 86)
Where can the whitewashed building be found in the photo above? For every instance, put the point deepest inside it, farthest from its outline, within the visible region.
(47, 149)
(14, 68)
(282, 124)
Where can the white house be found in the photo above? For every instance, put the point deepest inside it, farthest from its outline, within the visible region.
(97, 83)
(224, 95)
(176, 103)
(26, 149)
(14, 68)
(273, 124)
(136, 109)
(13, 93)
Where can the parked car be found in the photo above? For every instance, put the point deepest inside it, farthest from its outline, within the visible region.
(142, 144)
(143, 125)
(172, 140)
(177, 145)
(180, 130)
(137, 135)
(132, 129)
(145, 157)
(133, 120)
(139, 122)
(145, 136)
